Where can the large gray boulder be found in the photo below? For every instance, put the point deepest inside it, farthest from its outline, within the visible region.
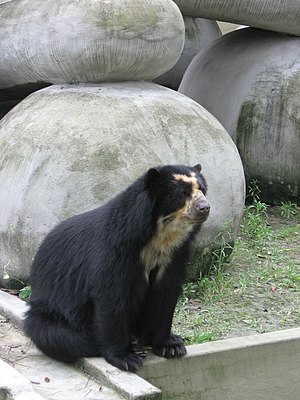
(273, 15)
(250, 81)
(71, 41)
(67, 149)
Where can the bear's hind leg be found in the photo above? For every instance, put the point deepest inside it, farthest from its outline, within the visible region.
(56, 339)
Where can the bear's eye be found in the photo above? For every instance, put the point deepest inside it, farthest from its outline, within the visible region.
(202, 189)
(186, 191)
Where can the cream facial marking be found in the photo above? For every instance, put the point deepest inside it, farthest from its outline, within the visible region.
(188, 179)
(192, 180)
(196, 194)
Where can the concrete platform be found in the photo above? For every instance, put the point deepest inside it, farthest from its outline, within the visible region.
(263, 367)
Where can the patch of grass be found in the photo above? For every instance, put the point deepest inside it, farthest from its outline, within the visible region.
(197, 325)
(256, 289)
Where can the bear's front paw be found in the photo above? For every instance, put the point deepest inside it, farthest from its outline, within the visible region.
(174, 347)
(130, 362)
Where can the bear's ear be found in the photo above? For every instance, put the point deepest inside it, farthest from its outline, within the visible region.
(152, 177)
(198, 167)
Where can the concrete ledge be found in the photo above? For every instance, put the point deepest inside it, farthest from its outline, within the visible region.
(14, 386)
(263, 367)
(129, 385)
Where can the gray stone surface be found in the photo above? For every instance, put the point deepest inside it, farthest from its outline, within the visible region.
(273, 15)
(87, 41)
(250, 81)
(199, 32)
(67, 149)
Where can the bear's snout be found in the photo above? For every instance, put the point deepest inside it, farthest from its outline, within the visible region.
(201, 210)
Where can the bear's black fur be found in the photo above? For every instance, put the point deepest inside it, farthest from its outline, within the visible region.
(104, 277)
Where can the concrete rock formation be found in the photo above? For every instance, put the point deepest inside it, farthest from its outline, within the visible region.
(66, 149)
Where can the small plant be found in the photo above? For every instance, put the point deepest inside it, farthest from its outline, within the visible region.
(288, 209)
(254, 191)
(241, 286)
(25, 292)
(221, 256)
(190, 290)
(215, 280)
(255, 225)
(5, 274)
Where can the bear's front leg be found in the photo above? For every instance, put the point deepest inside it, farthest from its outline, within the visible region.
(112, 333)
(133, 359)
(158, 310)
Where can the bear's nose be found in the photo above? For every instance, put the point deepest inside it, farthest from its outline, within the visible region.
(203, 207)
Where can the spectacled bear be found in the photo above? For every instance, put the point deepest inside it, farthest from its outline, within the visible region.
(104, 277)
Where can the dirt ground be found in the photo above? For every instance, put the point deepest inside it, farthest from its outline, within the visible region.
(13, 344)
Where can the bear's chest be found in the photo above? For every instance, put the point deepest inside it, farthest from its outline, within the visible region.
(158, 252)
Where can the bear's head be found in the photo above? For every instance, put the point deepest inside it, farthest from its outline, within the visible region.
(179, 194)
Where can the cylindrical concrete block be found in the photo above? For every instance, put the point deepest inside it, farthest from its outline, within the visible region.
(250, 80)
(273, 15)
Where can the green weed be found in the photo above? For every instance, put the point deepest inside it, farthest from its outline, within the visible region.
(202, 337)
(255, 226)
(288, 209)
